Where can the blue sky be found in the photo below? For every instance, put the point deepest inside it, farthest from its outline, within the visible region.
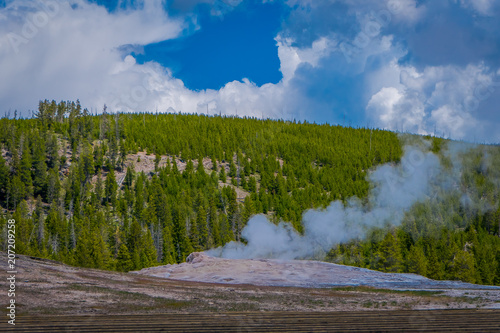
(233, 47)
(427, 67)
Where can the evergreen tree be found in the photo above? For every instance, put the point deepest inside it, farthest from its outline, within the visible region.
(388, 254)
(129, 177)
(25, 171)
(16, 191)
(169, 255)
(87, 161)
(148, 255)
(243, 183)
(123, 261)
(463, 267)
(485, 253)
(222, 175)
(24, 229)
(215, 238)
(4, 177)
(111, 187)
(252, 185)
(201, 222)
(157, 161)
(232, 169)
(53, 186)
(183, 246)
(225, 229)
(194, 235)
(40, 172)
(287, 168)
(83, 249)
(435, 267)
(52, 151)
(417, 263)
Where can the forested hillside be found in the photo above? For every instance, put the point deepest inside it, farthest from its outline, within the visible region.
(128, 191)
(454, 235)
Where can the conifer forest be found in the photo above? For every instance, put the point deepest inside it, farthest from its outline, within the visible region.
(133, 190)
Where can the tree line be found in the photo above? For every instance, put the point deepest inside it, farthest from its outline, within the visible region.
(58, 178)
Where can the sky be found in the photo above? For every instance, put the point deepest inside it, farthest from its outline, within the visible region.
(418, 66)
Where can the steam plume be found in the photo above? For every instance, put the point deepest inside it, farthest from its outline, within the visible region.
(396, 189)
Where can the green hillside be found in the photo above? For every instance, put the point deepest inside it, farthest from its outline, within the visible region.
(128, 191)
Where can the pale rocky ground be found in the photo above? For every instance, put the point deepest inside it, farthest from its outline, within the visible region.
(46, 287)
(309, 274)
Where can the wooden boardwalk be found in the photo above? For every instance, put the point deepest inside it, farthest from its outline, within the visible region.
(367, 321)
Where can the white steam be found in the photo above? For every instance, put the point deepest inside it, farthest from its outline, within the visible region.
(396, 189)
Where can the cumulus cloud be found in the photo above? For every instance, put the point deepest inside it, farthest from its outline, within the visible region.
(423, 67)
(407, 11)
(74, 50)
(291, 56)
(446, 100)
(419, 66)
(481, 6)
(70, 49)
(388, 111)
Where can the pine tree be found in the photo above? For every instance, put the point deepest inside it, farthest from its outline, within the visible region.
(53, 185)
(485, 254)
(389, 257)
(226, 233)
(4, 177)
(40, 172)
(148, 255)
(215, 239)
(463, 267)
(98, 158)
(24, 228)
(87, 161)
(123, 261)
(52, 150)
(194, 235)
(134, 243)
(252, 185)
(25, 171)
(232, 169)
(243, 183)
(97, 250)
(417, 262)
(248, 209)
(123, 154)
(83, 249)
(222, 175)
(157, 162)
(139, 194)
(168, 247)
(111, 187)
(214, 164)
(129, 177)
(183, 246)
(201, 221)
(98, 188)
(435, 267)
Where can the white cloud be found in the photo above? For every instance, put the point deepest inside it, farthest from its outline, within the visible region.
(389, 109)
(69, 50)
(443, 99)
(76, 55)
(291, 57)
(481, 6)
(406, 11)
(453, 121)
(77, 52)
